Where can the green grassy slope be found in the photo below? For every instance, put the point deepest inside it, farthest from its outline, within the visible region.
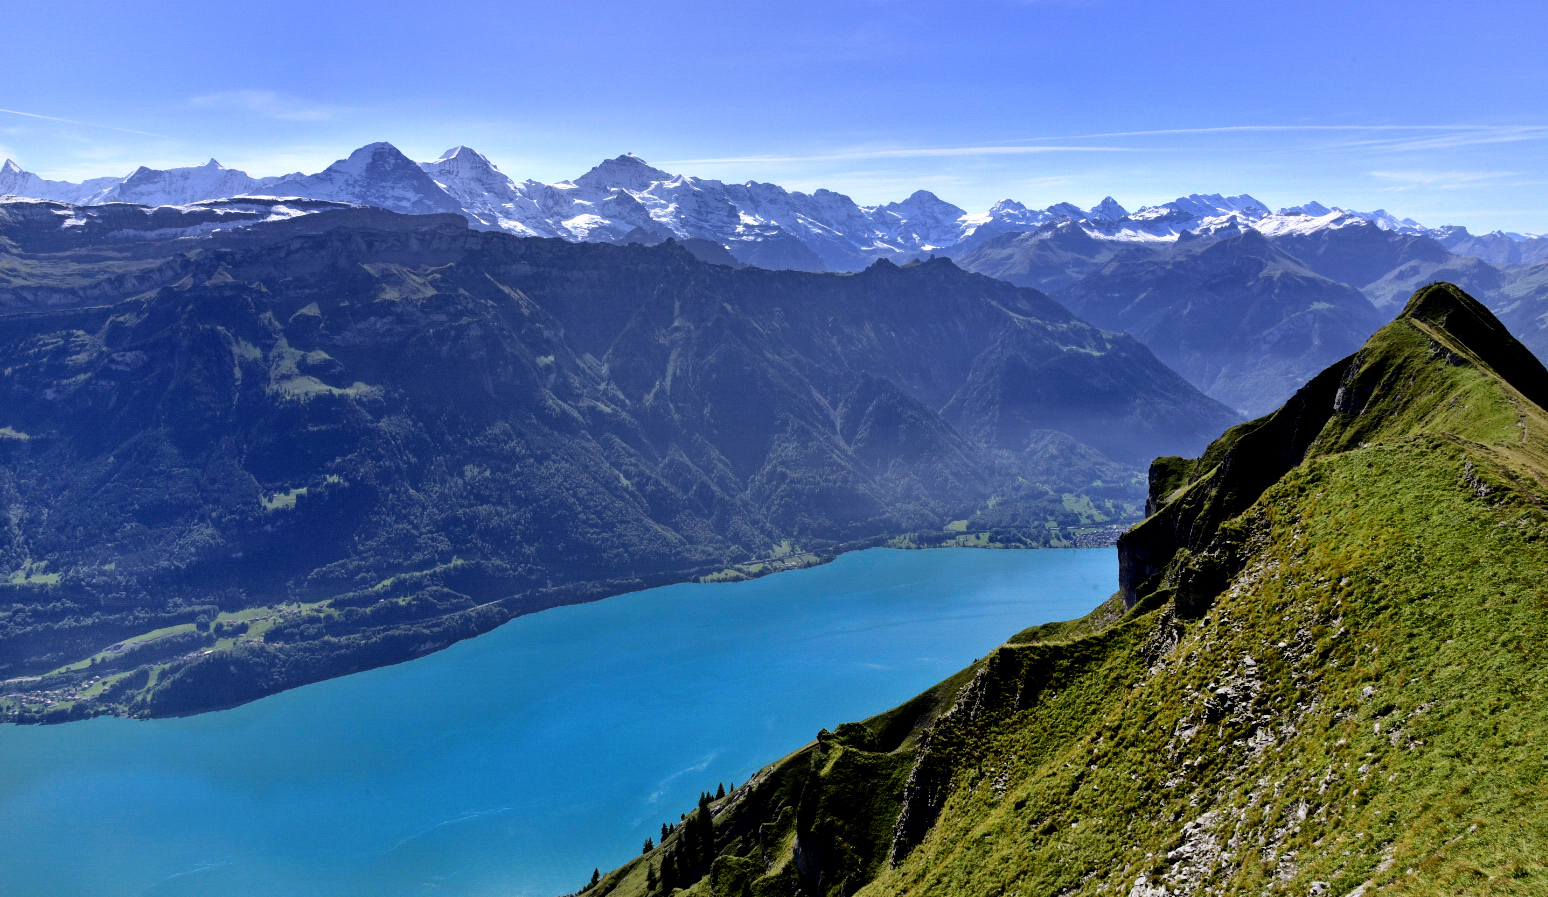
(1329, 679)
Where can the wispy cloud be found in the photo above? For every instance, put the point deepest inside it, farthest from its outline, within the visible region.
(268, 104)
(1449, 139)
(1228, 129)
(87, 124)
(1399, 137)
(1443, 180)
(910, 153)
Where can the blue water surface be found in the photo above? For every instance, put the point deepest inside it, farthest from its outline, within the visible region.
(515, 762)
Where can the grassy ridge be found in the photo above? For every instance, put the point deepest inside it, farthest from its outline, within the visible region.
(1331, 684)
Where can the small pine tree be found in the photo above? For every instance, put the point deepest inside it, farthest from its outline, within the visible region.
(664, 832)
(649, 846)
(596, 876)
(720, 792)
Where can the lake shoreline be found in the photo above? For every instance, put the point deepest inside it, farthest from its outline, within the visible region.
(515, 762)
(61, 702)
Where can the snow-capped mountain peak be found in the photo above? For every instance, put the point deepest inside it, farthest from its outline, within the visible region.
(17, 181)
(1311, 209)
(462, 165)
(377, 174)
(627, 172)
(1211, 205)
(372, 156)
(460, 151)
(923, 219)
(1107, 209)
(625, 198)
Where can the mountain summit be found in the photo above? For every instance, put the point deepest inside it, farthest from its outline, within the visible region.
(378, 175)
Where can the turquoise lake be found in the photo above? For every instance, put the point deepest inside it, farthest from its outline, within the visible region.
(513, 763)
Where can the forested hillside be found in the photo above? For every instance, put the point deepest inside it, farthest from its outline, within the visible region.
(239, 462)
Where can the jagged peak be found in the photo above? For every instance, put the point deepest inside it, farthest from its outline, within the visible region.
(373, 154)
(1108, 208)
(920, 200)
(627, 171)
(464, 161)
(1311, 209)
(11, 167)
(372, 151)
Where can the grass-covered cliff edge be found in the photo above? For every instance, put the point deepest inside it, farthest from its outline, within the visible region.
(1324, 675)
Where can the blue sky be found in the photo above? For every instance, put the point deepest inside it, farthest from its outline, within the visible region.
(1433, 110)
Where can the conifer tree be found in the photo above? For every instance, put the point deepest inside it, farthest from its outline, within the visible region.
(669, 876)
(706, 837)
(720, 792)
(664, 832)
(596, 876)
(649, 846)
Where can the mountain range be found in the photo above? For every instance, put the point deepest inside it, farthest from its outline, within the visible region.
(241, 459)
(761, 224)
(1260, 337)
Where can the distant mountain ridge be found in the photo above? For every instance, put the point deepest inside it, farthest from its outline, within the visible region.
(1057, 249)
(1242, 319)
(760, 224)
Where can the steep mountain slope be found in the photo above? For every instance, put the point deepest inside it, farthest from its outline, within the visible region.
(1241, 319)
(1054, 256)
(1323, 676)
(378, 175)
(343, 439)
